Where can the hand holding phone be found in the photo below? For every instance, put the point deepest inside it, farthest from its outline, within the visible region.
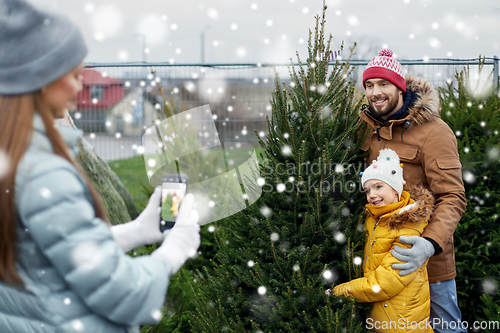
(173, 191)
(182, 242)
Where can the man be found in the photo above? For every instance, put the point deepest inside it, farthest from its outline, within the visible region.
(403, 115)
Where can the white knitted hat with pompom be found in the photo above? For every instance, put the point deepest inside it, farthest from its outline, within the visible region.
(386, 168)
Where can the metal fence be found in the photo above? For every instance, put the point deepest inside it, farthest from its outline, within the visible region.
(120, 100)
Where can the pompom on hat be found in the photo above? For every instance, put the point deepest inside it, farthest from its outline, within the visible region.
(384, 66)
(386, 168)
(36, 48)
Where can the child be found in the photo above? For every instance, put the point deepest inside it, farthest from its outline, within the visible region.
(401, 303)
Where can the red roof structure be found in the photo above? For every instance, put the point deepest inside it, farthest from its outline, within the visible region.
(100, 92)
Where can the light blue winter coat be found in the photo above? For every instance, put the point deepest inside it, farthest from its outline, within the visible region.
(76, 278)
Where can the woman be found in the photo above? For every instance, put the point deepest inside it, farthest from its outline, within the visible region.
(62, 268)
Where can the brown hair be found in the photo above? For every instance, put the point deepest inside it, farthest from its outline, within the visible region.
(16, 127)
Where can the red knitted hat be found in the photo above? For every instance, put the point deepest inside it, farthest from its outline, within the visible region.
(384, 66)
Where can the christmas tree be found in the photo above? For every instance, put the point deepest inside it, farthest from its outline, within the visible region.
(117, 201)
(276, 258)
(472, 110)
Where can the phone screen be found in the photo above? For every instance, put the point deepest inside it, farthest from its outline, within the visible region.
(172, 195)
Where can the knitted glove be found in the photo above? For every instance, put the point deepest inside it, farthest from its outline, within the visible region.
(415, 256)
(183, 240)
(145, 229)
(342, 290)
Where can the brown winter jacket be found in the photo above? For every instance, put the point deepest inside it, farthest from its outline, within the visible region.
(427, 147)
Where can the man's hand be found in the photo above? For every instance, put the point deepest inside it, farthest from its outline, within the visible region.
(415, 256)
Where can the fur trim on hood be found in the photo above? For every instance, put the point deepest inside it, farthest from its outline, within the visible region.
(415, 213)
(425, 106)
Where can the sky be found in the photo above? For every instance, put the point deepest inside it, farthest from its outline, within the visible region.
(272, 31)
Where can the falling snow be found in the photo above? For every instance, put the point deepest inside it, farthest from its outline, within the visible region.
(490, 286)
(261, 181)
(265, 211)
(45, 193)
(156, 315)
(286, 150)
(77, 325)
(339, 237)
(357, 260)
(469, 177)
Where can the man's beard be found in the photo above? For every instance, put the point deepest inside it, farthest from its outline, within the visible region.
(390, 107)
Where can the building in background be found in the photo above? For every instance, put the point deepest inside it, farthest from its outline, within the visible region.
(99, 95)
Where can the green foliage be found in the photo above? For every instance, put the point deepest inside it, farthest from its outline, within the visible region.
(473, 113)
(276, 258)
(178, 304)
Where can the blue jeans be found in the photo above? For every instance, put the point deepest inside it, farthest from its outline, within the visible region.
(445, 314)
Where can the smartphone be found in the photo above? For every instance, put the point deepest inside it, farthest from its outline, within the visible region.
(173, 191)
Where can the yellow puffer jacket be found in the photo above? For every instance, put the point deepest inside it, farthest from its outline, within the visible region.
(401, 303)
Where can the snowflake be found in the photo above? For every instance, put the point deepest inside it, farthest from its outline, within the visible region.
(328, 275)
(434, 43)
(152, 162)
(353, 20)
(469, 177)
(77, 325)
(45, 192)
(357, 260)
(490, 286)
(339, 237)
(156, 315)
(345, 211)
(264, 210)
(286, 150)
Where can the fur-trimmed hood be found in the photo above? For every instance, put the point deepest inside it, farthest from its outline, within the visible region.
(425, 106)
(415, 213)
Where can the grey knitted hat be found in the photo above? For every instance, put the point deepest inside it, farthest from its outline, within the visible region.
(386, 168)
(36, 48)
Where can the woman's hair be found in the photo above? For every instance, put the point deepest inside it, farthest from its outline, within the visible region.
(16, 127)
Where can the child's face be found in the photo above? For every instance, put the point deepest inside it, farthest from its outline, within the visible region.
(379, 193)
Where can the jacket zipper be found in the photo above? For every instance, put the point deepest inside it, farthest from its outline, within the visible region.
(369, 242)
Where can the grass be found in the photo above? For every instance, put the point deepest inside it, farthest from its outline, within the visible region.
(132, 173)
